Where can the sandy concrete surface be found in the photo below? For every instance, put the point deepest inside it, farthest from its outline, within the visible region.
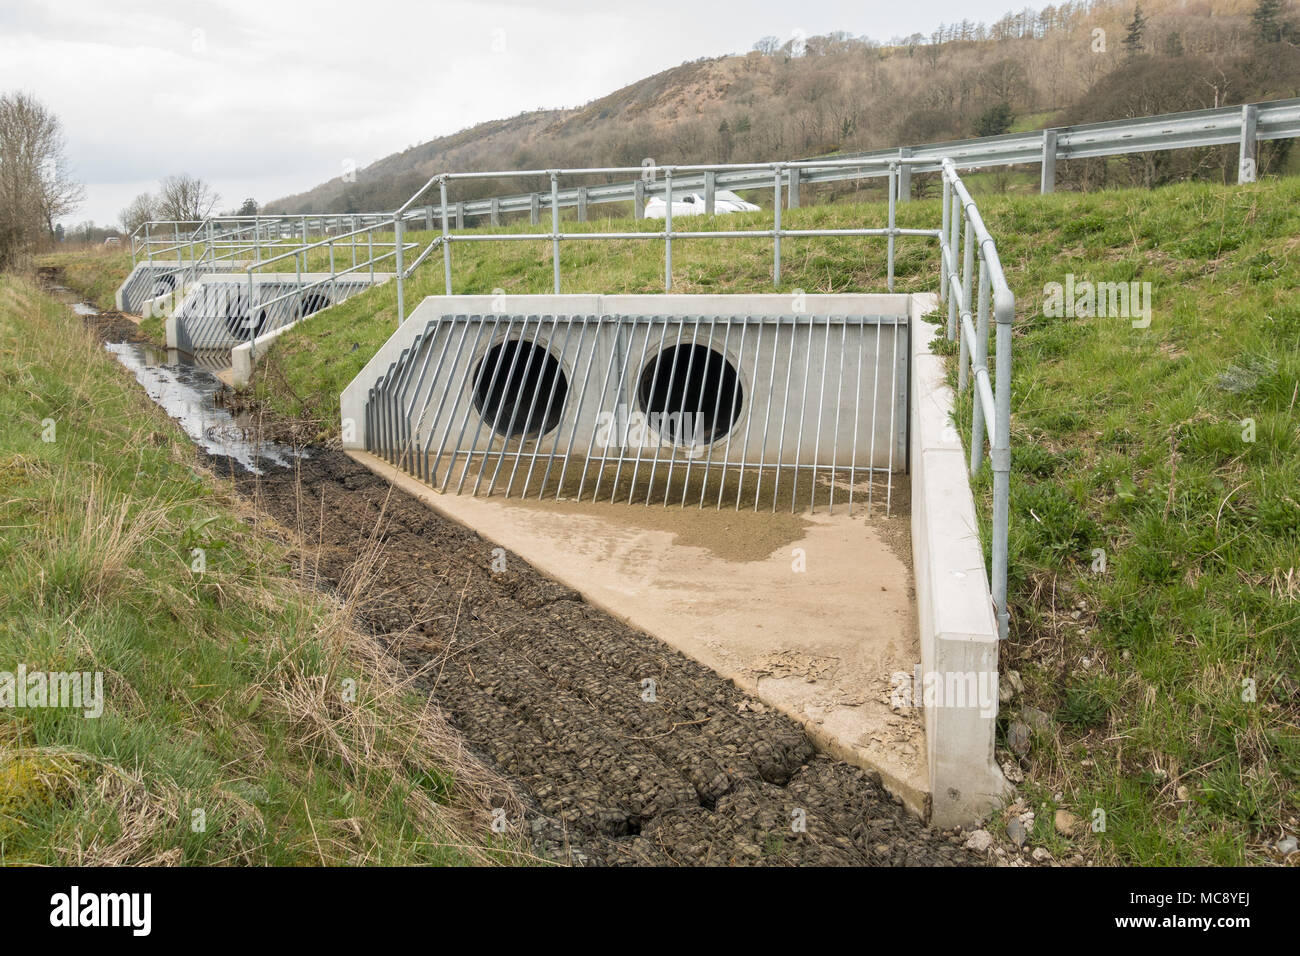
(820, 644)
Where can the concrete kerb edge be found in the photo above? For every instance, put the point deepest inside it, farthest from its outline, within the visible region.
(956, 624)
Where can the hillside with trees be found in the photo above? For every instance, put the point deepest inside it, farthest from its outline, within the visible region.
(1075, 62)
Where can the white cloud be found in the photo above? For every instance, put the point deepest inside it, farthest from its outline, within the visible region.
(266, 98)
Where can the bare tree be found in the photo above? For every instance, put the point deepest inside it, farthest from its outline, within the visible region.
(137, 212)
(186, 198)
(35, 186)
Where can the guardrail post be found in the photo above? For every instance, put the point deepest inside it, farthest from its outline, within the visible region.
(428, 218)
(904, 175)
(534, 209)
(792, 189)
(1047, 182)
(495, 215)
(460, 215)
(1247, 171)
(638, 199)
(582, 204)
(710, 192)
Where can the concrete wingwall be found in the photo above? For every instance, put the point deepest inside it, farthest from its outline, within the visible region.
(957, 681)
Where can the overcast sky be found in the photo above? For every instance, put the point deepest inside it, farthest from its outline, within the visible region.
(268, 97)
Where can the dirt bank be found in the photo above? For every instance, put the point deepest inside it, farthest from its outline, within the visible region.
(554, 693)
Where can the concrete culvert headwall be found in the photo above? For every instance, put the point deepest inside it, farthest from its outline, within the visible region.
(221, 311)
(646, 399)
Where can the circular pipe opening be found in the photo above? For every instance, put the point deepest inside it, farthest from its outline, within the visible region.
(238, 321)
(519, 389)
(313, 302)
(691, 394)
(162, 285)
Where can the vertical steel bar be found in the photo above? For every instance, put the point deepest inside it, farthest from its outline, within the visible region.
(672, 375)
(803, 413)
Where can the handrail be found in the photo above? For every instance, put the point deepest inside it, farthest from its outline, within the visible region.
(966, 247)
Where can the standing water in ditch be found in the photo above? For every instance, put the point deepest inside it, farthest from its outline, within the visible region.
(189, 395)
(182, 385)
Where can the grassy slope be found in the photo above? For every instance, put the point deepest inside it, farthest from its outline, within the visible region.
(95, 274)
(223, 689)
(1126, 440)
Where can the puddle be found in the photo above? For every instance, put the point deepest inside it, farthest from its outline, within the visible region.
(185, 387)
(188, 394)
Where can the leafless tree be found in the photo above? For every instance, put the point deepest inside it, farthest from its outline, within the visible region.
(139, 211)
(186, 198)
(35, 186)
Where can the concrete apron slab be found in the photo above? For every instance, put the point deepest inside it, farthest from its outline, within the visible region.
(821, 645)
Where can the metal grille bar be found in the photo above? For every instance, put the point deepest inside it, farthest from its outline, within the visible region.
(793, 412)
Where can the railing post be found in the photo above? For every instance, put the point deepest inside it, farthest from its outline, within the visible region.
(710, 192)
(399, 227)
(1005, 312)
(904, 175)
(1047, 181)
(638, 199)
(893, 210)
(965, 356)
(535, 209)
(954, 246)
(668, 229)
(582, 204)
(1247, 171)
(792, 187)
(776, 224)
(943, 239)
(982, 350)
(446, 237)
(555, 228)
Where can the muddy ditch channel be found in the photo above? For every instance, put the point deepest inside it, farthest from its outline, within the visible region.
(546, 688)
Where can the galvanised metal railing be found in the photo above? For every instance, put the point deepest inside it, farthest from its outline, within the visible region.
(964, 241)
(1245, 126)
(160, 239)
(375, 253)
(773, 172)
(972, 284)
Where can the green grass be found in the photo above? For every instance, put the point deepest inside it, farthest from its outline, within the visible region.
(225, 687)
(95, 274)
(1125, 440)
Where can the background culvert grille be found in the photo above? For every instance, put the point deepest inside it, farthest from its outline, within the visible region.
(519, 390)
(693, 392)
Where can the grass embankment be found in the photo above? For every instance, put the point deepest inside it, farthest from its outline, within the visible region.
(1170, 678)
(228, 732)
(95, 274)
